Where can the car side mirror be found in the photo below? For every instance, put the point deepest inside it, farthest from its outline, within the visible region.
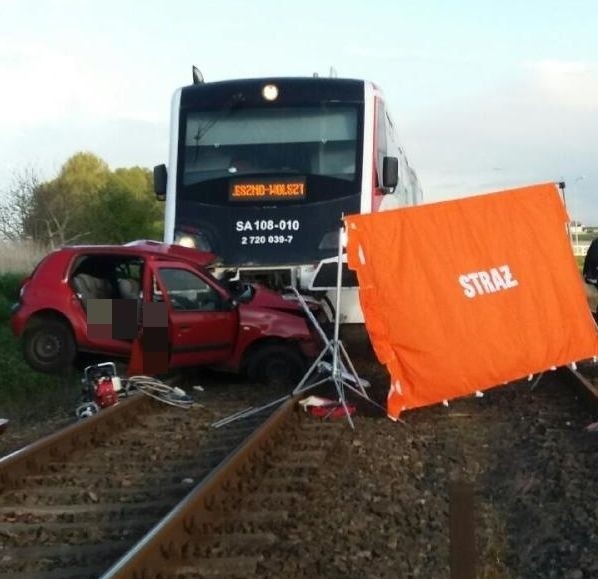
(390, 173)
(160, 180)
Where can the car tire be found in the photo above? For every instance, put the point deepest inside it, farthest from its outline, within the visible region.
(276, 365)
(49, 346)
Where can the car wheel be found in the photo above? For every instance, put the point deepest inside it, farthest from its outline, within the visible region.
(276, 365)
(49, 346)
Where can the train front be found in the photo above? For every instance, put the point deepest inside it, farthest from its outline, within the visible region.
(265, 168)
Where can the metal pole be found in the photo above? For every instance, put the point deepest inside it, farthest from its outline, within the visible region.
(339, 283)
(576, 222)
(562, 185)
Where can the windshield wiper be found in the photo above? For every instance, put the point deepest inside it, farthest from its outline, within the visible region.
(231, 105)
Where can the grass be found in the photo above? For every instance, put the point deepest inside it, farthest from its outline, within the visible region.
(26, 395)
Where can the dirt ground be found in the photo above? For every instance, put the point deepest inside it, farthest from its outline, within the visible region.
(380, 507)
(17, 436)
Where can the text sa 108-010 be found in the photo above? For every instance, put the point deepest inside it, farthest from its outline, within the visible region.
(267, 225)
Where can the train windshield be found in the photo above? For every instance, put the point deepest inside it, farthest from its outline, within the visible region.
(311, 141)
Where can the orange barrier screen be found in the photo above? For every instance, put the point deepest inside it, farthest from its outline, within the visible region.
(464, 295)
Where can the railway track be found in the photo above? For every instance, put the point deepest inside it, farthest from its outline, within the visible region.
(544, 413)
(111, 509)
(73, 504)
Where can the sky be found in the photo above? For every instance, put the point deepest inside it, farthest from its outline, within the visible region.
(486, 95)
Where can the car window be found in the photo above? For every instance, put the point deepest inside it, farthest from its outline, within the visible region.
(187, 291)
(107, 276)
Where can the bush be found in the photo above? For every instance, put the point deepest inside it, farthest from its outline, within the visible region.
(10, 284)
(4, 308)
(9, 293)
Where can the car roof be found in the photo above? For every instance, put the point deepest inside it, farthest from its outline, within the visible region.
(148, 248)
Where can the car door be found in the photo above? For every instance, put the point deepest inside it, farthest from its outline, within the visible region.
(110, 317)
(203, 324)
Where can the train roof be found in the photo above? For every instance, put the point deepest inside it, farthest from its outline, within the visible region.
(291, 90)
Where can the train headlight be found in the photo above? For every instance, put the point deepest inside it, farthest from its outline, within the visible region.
(270, 92)
(197, 240)
(186, 240)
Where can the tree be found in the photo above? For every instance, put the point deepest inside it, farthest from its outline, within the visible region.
(83, 175)
(125, 208)
(17, 206)
(137, 180)
(57, 209)
(86, 202)
(55, 216)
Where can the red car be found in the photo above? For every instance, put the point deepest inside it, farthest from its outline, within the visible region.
(241, 328)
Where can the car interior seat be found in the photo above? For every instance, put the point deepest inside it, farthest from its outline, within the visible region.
(128, 288)
(90, 287)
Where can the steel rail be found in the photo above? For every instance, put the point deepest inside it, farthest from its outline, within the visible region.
(166, 542)
(580, 384)
(462, 540)
(167, 539)
(152, 556)
(57, 446)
